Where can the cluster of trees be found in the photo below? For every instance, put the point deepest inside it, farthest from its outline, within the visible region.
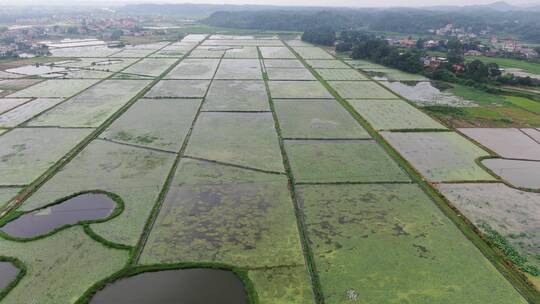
(322, 36)
(379, 51)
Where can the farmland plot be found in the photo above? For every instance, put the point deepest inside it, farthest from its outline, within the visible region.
(6, 194)
(406, 250)
(364, 64)
(519, 173)
(510, 212)
(323, 161)
(92, 107)
(7, 104)
(508, 143)
(393, 114)
(440, 156)
(194, 69)
(360, 90)
(87, 51)
(208, 52)
(297, 42)
(131, 53)
(155, 123)
(281, 52)
(289, 74)
(237, 95)
(136, 175)
(56, 88)
(17, 84)
(84, 74)
(61, 267)
(238, 69)
(281, 63)
(27, 153)
(245, 52)
(99, 64)
(298, 89)
(283, 285)
(316, 118)
(424, 93)
(242, 42)
(179, 88)
(150, 67)
(312, 53)
(243, 139)
(340, 74)
(532, 133)
(26, 111)
(327, 64)
(222, 214)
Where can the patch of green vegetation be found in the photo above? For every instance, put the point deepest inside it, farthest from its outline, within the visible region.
(481, 97)
(7, 193)
(509, 251)
(528, 66)
(378, 244)
(316, 118)
(216, 213)
(243, 139)
(61, 267)
(525, 103)
(282, 285)
(320, 161)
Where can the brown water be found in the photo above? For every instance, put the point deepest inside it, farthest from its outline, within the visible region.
(8, 273)
(84, 207)
(185, 286)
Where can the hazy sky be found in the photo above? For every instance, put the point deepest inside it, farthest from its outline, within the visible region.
(355, 3)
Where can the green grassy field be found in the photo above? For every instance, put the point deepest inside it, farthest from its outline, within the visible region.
(530, 67)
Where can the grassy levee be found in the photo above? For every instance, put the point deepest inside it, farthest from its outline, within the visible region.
(518, 280)
(32, 187)
(308, 255)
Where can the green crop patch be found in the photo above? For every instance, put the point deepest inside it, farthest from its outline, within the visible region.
(298, 89)
(327, 64)
(244, 139)
(26, 111)
(340, 74)
(360, 90)
(393, 114)
(279, 52)
(239, 69)
(61, 267)
(283, 285)
(389, 243)
(324, 161)
(179, 88)
(316, 118)
(283, 63)
(289, 74)
(56, 88)
(222, 214)
(25, 154)
(136, 175)
(92, 107)
(194, 69)
(150, 67)
(312, 52)
(237, 95)
(440, 156)
(155, 123)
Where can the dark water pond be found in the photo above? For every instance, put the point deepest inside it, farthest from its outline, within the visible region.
(84, 207)
(185, 286)
(8, 273)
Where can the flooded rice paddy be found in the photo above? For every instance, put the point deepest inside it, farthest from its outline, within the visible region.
(8, 274)
(426, 94)
(84, 207)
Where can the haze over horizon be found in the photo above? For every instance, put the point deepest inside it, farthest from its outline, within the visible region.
(336, 3)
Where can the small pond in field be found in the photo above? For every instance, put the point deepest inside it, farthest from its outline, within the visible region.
(84, 207)
(424, 93)
(184, 286)
(8, 273)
